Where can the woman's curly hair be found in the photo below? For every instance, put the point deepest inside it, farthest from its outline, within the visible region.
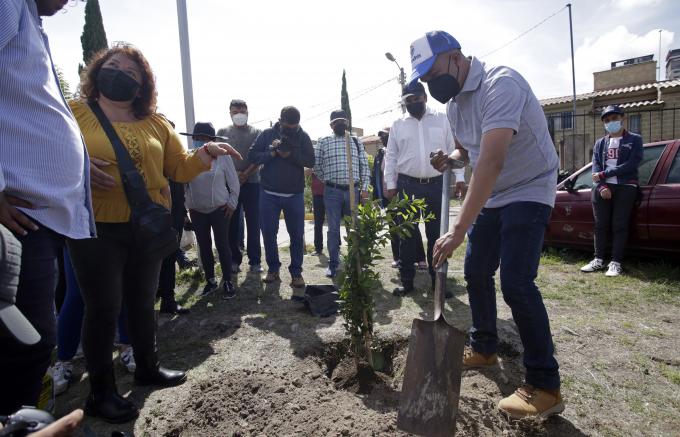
(145, 103)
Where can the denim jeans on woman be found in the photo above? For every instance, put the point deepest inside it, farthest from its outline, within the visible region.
(511, 236)
(293, 208)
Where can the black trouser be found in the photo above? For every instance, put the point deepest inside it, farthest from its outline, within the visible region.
(23, 367)
(166, 281)
(219, 224)
(111, 270)
(319, 218)
(432, 194)
(613, 214)
(420, 251)
(249, 200)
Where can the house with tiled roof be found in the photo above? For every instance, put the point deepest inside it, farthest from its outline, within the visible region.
(652, 108)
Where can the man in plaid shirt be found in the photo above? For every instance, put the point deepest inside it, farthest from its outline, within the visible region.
(331, 168)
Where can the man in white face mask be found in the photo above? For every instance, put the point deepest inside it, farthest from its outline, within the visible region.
(241, 135)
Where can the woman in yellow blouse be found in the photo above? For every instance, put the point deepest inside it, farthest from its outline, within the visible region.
(109, 269)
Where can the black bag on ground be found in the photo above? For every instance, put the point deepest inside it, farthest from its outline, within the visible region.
(151, 223)
(322, 300)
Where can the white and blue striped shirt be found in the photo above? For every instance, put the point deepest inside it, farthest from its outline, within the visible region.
(43, 158)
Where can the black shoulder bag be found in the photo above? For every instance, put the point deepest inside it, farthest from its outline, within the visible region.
(151, 223)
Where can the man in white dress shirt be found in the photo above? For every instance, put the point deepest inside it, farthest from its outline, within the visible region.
(408, 171)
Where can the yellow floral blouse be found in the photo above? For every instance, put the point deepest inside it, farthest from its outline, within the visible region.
(156, 150)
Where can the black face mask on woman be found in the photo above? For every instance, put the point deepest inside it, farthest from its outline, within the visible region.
(445, 87)
(116, 85)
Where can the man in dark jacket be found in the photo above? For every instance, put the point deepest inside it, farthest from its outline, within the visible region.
(616, 158)
(283, 151)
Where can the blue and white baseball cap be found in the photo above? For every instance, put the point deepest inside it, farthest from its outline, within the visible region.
(424, 51)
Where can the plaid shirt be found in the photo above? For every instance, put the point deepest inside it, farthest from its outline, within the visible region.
(331, 161)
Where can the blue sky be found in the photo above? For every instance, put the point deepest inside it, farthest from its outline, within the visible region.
(274, 54)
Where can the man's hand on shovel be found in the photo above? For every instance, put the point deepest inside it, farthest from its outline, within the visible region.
(445, 246)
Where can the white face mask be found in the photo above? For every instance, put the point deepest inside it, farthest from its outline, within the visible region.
(239, 119)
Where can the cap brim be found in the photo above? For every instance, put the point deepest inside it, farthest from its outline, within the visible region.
(339, 118)
(422, 69)
(18, 325)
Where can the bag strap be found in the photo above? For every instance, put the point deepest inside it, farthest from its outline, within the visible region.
(133, 182)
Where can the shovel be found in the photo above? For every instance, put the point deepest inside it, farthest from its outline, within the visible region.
(429, 395)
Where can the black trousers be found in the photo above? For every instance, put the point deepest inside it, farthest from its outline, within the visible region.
(319, 218)
(23, 367)
(420, 251)
(166, 281)
(613, 215)
(218, 223)
(249, 201)
(111, 270)
(432, 194)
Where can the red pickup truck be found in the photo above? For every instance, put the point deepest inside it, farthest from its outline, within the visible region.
(655, 222)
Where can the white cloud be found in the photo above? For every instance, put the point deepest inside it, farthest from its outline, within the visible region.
(633, 4)
(596, 54)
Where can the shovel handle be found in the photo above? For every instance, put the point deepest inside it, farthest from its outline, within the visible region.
(440, 280)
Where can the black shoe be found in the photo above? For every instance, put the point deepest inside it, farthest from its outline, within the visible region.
(159, 376)
(110, 407)
(209, 288)
(403, 291)
(173, 308)
(228, 290)
(184, 263)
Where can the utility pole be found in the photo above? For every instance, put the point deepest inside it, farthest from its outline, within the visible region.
(658, 62)
(573, 83)
(402, 77)
(186, 66)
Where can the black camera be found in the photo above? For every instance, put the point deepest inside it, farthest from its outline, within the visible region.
(25, 421)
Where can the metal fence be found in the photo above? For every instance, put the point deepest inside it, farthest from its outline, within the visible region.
(574, 136)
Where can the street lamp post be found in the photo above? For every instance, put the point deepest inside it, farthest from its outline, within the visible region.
(402, 77)
(186, 65)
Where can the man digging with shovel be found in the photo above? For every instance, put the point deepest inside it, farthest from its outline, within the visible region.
(499, 127)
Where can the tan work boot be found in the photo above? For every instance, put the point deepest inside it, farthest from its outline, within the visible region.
(271, 277)
(297, 282)
(473, 359)
(529, 401)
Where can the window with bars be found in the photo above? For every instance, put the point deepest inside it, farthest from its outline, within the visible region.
(635, 123)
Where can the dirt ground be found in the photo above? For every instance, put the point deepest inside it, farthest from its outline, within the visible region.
(260, 365)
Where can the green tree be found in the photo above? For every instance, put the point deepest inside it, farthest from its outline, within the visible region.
(63, 84)
(344, 101)
(93, 38)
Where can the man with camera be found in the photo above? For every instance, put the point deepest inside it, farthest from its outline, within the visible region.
(284, 151)
(332, 168)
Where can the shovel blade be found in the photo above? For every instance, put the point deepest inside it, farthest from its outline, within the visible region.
(431, 389)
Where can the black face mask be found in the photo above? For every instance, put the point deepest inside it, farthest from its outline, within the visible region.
(340, 129)
(288, 132)
(445, 87)
(116, 85)
(416, 109)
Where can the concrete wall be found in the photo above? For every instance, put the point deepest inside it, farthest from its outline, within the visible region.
(625, 76)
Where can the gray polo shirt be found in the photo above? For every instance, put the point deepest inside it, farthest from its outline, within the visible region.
(499, 97)
(242, 138)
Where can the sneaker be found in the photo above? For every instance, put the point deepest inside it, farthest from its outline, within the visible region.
(297, 282)
(228, 290)
(330, 273)
(422, 265)
(256, 268)
(271, 277)
(210, 286)
(403, 291)
(529, 401)
(127, 359)
(474, 360)
(614, 269)
(395, 264)
(593, 266)
(235, 268)
(62, 372)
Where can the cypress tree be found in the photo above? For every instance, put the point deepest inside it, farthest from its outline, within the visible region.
(93, 38)
(344, 101)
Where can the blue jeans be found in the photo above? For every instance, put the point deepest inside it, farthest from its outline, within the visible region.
(336, 203)
(293, 208)
(511, 236)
